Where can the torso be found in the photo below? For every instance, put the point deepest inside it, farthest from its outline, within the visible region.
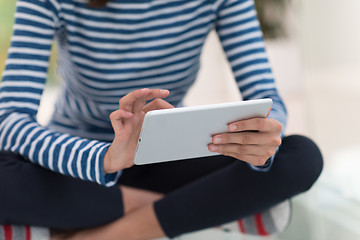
(106, 53)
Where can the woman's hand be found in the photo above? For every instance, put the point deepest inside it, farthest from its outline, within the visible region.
(253, 140)
(127, 122)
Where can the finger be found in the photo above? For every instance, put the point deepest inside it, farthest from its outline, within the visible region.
(117, 117)
(255, 124)
(156, 105)
(247, 138)
(127, 102)
(153, 94)
(251, 159)
(242, 149)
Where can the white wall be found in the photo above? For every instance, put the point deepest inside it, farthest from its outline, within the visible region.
(331, 52)
(331, 42)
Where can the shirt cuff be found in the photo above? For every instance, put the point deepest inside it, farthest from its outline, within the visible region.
(106, 179)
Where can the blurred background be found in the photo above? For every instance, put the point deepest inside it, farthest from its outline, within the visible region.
(313, 46)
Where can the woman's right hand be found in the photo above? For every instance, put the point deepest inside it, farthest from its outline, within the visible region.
(127, 122)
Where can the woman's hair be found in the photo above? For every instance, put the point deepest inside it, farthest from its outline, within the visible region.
(98, 3)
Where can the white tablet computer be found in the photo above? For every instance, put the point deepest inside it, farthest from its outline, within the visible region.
(183, 133)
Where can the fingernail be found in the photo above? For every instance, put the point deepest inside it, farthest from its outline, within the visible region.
(213, 148)
(233, 127)
(164, 91)
(217, 140)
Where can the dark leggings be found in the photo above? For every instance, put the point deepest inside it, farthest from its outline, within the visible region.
(200, 193)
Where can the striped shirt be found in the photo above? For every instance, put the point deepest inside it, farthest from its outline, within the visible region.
(108, 52)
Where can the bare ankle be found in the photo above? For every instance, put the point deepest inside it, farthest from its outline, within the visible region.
(137, 201)
(135, 198)
(140, 224)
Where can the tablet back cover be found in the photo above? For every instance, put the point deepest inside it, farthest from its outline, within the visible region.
(183, 133)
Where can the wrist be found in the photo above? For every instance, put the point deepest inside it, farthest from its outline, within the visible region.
(115, 161)
(107, 166)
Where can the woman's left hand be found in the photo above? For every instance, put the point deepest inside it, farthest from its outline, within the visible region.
(253, 141)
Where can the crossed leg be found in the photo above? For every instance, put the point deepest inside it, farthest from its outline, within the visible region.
(217, 190)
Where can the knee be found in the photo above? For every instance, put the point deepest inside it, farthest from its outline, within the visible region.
(304, 162)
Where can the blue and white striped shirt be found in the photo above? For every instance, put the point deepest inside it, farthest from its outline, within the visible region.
(108, 52)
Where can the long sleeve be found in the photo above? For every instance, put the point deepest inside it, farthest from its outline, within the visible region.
(241, 37)
(22, 85)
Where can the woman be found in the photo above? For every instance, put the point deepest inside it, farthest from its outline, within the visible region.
(135, 52)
